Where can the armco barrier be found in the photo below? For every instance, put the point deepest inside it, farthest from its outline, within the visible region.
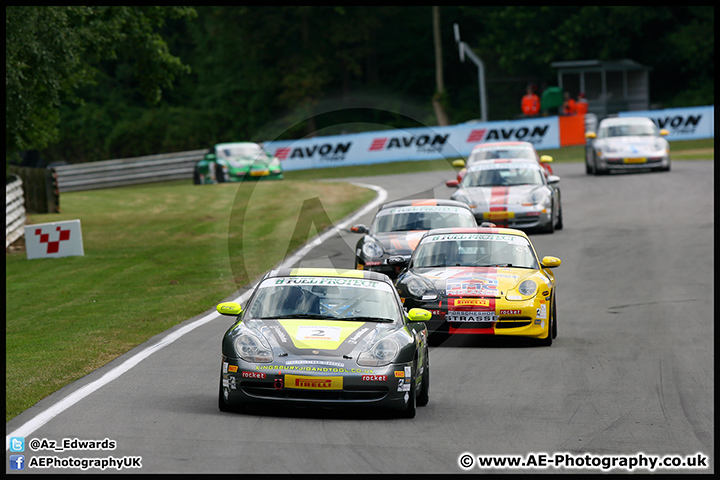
(14, 210)
(127, 171)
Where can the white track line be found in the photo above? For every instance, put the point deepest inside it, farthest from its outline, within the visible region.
(45, 416)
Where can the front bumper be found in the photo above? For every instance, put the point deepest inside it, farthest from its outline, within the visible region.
(316, 384)
(529, 318)
(525, 218)
(633, 163)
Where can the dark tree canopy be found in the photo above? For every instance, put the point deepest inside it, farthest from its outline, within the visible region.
(92, 83)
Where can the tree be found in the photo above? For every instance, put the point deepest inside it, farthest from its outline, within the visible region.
(439, 97)
(53, 51)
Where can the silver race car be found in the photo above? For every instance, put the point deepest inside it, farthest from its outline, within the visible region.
(512, 193)
(626, 143)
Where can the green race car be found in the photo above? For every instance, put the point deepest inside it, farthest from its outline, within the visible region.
(237, 162)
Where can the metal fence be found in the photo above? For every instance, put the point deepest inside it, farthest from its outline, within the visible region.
(14, 210)
(127, 171)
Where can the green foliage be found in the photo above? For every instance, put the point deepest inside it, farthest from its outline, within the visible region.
(254, 70)
(53, 51)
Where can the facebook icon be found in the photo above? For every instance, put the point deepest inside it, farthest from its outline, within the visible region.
(17, 462)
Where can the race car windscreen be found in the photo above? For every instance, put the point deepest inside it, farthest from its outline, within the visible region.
(501, 174)
(628, 130)
(252, 151)
(504, 152)
(421, 217)
(474, 250)
(328, 298)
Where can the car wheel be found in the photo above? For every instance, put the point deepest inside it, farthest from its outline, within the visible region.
(219, 174)
(222, 405)
(588, 169)
(411, 409)
(550, 227)
(559, 224)
(554, 318)
(424, 396)
(547, 341)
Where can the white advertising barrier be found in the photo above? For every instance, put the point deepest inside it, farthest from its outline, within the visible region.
(425, 143)
(682, 123)
(53, 240)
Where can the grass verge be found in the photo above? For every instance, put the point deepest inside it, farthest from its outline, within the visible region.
(146, 248)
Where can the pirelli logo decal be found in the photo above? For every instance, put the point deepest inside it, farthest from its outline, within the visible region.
(313, 383)
(475, 302)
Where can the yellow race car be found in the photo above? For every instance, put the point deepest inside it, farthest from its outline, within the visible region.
(483, 280)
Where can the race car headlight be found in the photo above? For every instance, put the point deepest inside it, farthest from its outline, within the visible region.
(540, 198)
(379, 354)
(527, 288)
(420, 289)
(608, 149)
(251, 349)
(372, 250)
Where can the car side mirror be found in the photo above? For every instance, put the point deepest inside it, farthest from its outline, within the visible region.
(551, 262)
(229, 308)
(553, 179)
(546, 159)
(359, 229)
(419, 315)
(452, 183)
(396, 260)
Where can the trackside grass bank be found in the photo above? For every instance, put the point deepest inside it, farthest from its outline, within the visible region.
(156, 255)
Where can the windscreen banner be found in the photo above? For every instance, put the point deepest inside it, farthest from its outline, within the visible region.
(425, 143)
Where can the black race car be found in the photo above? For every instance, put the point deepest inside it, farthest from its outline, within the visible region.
(325, 337)
(399, 225)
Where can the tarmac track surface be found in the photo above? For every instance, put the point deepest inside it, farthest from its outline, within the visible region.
(631, 373)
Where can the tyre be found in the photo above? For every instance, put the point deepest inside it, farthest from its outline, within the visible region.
(219, 174)
(411, 409)
(554, 319)
(424, 395)
(559, 224)
(222, 406)
(550, 227)
(225, 407)
(547, 341)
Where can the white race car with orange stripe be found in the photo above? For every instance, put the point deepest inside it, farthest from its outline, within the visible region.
(398, 226)
(493, 150)
(512, 193)
(482, 280)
